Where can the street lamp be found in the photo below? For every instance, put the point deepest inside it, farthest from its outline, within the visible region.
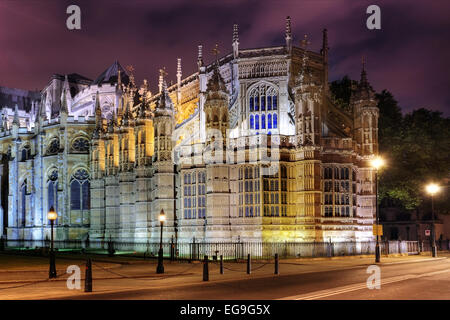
(52, 215)
(432, 189)
(377, 163)
(160, 267)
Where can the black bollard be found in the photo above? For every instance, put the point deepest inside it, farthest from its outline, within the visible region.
(276, 264)
(205, 269)
(2, 244)
(249, 264)
(88, 277)
(221, 264)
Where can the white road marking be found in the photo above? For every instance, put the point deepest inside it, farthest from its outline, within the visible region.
(344, 289)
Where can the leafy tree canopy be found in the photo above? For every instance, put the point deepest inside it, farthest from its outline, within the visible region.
(416, 147)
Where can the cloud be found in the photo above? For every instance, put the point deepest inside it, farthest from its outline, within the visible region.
(408, 56)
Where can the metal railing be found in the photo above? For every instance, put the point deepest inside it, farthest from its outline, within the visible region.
(230, 250)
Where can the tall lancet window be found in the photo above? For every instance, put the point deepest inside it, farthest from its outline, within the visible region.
(79, 190)
(52, 191)
(262, 101)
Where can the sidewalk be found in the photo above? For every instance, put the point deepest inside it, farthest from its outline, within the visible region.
(30, 281)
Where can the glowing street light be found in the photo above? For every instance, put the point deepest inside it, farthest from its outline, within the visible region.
(52, 216)
(432, 189)
(160, 267)
(377, 163)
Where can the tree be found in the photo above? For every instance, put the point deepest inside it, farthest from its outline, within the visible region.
(416, 147)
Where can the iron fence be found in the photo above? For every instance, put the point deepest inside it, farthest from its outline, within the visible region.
(230, 250)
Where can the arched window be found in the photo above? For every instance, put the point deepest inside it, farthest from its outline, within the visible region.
(275, 122)
(262, 98)
(79, 190)
(25, 153)
(269, 121)
(80, 145)
(53, 147)
(257, 122)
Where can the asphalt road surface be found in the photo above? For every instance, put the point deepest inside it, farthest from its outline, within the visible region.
(410, 280)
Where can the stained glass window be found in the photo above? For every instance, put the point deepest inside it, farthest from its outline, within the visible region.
(275, 124)
(80, 145)
(80, 190)
(269, 121)
(53, 147)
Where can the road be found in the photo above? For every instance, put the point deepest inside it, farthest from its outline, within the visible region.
(417, 279)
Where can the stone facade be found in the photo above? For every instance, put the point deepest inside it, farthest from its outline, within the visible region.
(251, 147)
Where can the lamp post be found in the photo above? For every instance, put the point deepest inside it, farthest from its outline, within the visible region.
(160, 267)
(432, 189)
(377, 163)
(52, 215)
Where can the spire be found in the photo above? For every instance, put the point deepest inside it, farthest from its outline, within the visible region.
(216, 82)
(160, 80)
(98, 109)
(325, 48)
(179, 69)
(363, 80)
(119, 80)
(364, 90)
(164, 105)
(112, 123)
(145, 95)
(200, 56)
(235, 41)
(179, 75)
(127, 117)
(288, 35)
(216, 52)
(65, 91)
(16, 116)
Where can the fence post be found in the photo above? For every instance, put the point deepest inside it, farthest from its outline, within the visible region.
(221, 264)
(88, 277)
(205, 269)
(249, 266)
(276, 264)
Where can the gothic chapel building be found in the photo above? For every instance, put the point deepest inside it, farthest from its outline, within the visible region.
(251, 147)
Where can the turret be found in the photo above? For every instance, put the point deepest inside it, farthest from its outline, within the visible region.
(365, 115)
(288, 35)
(179, 75)
(98, 118)
(163, 123)
(235, 41)
(309, 99)
(216, 105)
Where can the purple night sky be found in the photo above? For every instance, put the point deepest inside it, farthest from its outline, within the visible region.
(409, 55)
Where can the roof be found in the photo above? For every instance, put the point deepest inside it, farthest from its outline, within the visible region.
(110, 75)
(9, 97)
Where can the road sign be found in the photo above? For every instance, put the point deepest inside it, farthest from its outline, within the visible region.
(427, 232)
(377, 230)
